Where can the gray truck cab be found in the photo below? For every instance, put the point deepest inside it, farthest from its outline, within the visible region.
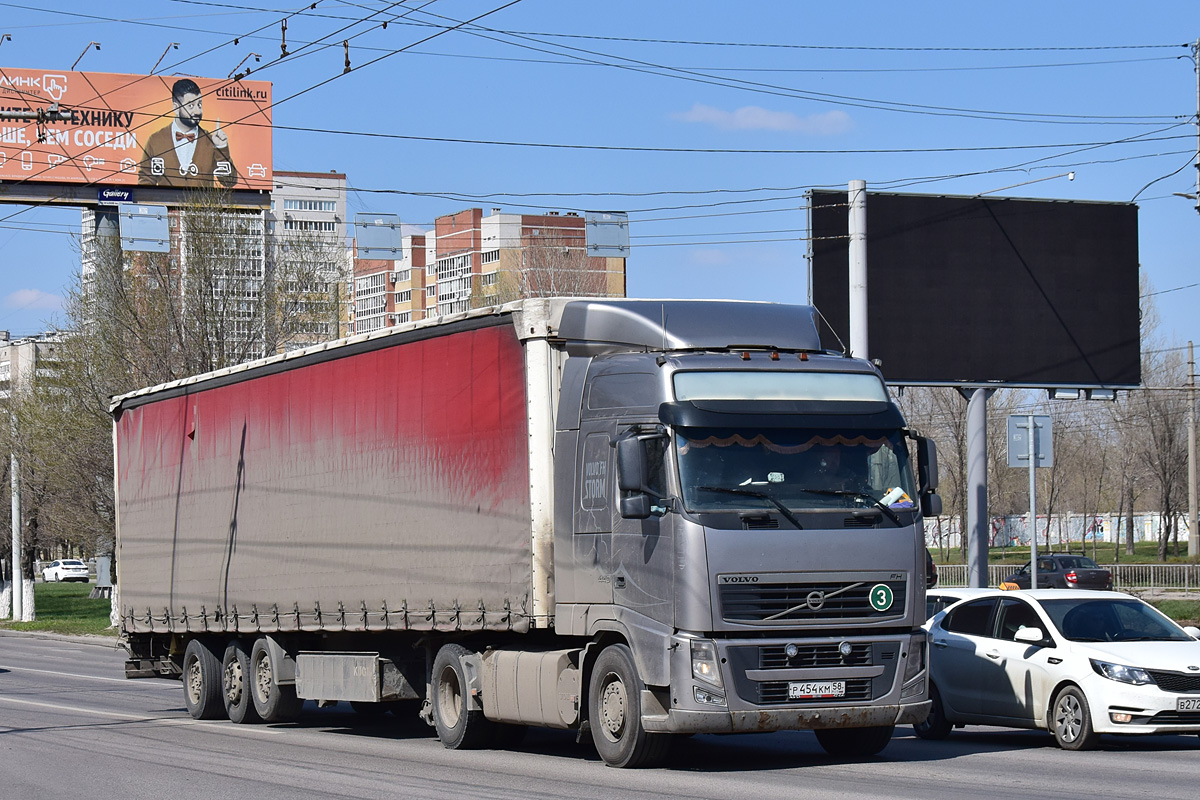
(738, 504)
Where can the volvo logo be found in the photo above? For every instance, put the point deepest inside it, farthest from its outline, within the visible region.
(815, 600)
(1193, 668)
(739, 579)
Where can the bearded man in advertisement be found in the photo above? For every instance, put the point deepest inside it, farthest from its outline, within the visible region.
(183, 153)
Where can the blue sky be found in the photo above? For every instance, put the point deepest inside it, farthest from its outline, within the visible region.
(705, 120)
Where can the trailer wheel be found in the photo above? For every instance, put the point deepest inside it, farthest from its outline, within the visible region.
(274, 703)
(236, 683)
(459, 727)
(202, 681)
(615, 713)
(854, 742)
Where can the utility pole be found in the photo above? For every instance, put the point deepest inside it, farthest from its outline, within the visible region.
(18, 584)
(1193, 535)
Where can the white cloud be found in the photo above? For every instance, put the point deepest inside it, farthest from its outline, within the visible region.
(753, 118)
(29, 299)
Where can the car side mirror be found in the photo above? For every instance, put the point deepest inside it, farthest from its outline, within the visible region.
(631, 465)
(1029, 636)
(1192, 631)
(931, 505)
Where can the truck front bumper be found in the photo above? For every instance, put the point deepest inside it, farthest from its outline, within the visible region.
(784, 719)
(770, 684)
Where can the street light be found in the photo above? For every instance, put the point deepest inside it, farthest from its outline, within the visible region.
(170, 47)
(84, 53)
(240, 75)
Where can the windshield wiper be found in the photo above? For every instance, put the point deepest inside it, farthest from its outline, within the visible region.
(763, 495)
(863, 495)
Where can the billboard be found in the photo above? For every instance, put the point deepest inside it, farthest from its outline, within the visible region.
(148, 130)
(1036, 293)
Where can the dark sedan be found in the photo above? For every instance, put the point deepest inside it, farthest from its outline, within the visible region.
(1064, 571)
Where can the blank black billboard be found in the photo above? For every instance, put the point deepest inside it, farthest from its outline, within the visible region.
(972, 289)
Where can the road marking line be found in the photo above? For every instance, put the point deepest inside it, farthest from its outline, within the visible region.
(141, 718)
(85, 677)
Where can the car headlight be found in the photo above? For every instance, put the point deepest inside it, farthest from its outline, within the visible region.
(704, 662)
(1121, 673)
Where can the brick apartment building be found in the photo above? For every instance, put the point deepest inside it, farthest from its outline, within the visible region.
(470, 261)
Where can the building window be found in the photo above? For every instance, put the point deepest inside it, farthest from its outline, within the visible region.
(488, 278)
(403, 276)
(490, 257)
(430, 290)
(404, 297)
(307, 225)
(308, 205)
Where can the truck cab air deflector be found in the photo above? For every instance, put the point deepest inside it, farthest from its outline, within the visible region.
(590, 327)
(780, 414)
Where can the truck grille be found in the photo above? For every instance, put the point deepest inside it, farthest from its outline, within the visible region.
(776, 693)
(814, 655)
(1175, 681)
(794, 602)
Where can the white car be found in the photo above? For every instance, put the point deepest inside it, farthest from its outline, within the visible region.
(1076, 663)
(68, 569)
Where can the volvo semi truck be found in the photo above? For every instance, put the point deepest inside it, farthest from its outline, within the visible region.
(634, 519)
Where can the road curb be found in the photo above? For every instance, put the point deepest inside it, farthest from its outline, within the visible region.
(89, 639)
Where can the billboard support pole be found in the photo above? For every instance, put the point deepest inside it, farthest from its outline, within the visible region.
(857, 225)
(977, 502)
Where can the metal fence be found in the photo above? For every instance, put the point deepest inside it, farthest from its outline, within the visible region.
(1126, 577)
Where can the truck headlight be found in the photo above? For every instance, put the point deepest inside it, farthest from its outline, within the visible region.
(705, 666)
(916, 657)
(1121, 673)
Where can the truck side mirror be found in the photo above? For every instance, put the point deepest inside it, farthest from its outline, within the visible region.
(635, 505)
(931, 505)
(927, 469)
(631, 465)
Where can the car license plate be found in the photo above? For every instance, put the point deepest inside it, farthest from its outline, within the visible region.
(808, 690)
(1187, 704)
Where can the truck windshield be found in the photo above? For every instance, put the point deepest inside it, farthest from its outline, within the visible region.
(734, 470)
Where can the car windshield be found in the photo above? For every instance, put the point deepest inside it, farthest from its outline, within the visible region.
(1111, 620)
(724, 469)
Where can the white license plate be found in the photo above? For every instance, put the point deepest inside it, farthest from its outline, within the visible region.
(1187, 704)
(807, 690)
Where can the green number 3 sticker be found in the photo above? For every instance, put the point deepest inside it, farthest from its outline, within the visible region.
(881, 597)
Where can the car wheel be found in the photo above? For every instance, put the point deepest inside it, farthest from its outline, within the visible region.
(854, 742)
(1071, 720)
(615, 713)
(273, 702)
(236, 683)
(935, 726)
(459, 727)
(202, 681)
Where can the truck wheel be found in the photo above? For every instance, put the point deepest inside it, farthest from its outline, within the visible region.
(459, 727)
(202, 681)
(274, 703)
(615, 713)
(854, 742)
(236, 684)
(935, 726)
(1071, 720)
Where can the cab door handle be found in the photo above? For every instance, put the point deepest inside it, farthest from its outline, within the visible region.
(940, 644)
(993, 654)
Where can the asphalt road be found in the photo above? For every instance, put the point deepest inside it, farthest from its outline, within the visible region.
(71, 726)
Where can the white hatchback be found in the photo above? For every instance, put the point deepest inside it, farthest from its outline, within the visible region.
(1076, 663)
(68, 569)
